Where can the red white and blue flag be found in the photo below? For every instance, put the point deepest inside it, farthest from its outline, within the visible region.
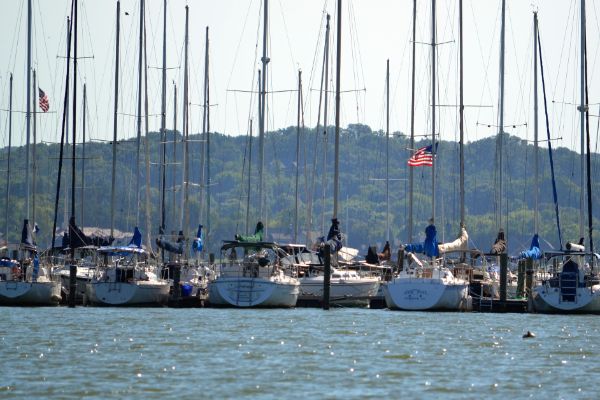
(423, 157)
(44, 103)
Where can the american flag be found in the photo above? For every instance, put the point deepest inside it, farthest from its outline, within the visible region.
(421, 158)
(44, 104)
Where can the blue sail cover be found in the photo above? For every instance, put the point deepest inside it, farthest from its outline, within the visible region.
(431, 244)
(26, 237)
(198, 243)
(134, 246)
(534, 251)
(136, 240)
(429, 247)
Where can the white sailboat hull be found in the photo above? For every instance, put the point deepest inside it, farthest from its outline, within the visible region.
(253, 292)
(17, 293)
(342, 292)
(547, 300)
(127, 294)
(426, 294)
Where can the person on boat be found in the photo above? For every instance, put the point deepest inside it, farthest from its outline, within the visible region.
(256, 237)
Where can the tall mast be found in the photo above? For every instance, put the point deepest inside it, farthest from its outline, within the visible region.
(263, 108)
(535, 123)
(297, 156)
(83, 128)
(7, 202)
(33, 148)
(139, 116)
(249, 173)
(184, 193)
(387, 151)
(207, 136)
(433, 110)
(412, 125)
(147, 147)
(29, 27)
(461, 112)
(582, 110)
(501, 113)
(74, 141)
(336, 174)
(173, 168)
(325, 122)
(163, 119)
(114, 143)
(588, 144)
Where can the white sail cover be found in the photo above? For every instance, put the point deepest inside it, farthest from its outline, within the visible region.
(459, 244)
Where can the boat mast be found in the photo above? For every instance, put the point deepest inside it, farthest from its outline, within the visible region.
(163, 120)
(83, 127)
(184, 193)
(7, 203)
(74, 141)
(412, 124)
(147, 145)
(173, 168)
(588, 152)
(33, 149)
(336, 175)
(501, 113)
(207, 137)
(535, 123)
(433, 106)
(114, 143)
(461, 111)
(263, 107)
(325, 121)
(387, 151)
(139, 115)
(28, 117)
(297, 155)
(249, 171)
(582, 110)
(65, 124)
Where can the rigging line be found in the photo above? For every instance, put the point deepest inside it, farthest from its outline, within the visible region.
(486, 86)
(287, 36)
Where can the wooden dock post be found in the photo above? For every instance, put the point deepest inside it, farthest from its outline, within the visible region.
(72, 284)
(503, 275)
(528, 276)
(521, 279)
(326, 276)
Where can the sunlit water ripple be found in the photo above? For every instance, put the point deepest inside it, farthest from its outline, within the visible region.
(299, 353)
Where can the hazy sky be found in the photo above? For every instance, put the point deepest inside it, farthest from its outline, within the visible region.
(373, 31)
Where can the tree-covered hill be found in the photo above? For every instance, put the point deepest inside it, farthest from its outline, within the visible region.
(362, 208)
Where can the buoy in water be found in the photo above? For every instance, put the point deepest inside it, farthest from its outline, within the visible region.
(529, 334)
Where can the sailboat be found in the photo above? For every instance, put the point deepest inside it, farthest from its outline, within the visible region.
(124, 275)
(572, 284)
(430, 284)
(23, 281)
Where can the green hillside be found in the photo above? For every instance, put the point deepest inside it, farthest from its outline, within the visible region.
(362, 190)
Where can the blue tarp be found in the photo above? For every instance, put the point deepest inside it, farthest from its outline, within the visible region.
(534, 251)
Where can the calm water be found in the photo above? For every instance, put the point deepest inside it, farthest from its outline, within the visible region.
(300, 353)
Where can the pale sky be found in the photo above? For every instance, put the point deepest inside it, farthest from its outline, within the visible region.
(373, 31)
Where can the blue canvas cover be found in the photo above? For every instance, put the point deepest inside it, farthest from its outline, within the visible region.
(534, 251)
(198, 243)
(429, 247)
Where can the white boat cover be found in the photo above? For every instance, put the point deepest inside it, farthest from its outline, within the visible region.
(459, 244)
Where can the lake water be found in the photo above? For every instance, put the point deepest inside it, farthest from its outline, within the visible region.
(298, 353)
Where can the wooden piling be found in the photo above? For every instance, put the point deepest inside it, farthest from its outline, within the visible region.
(528, 276)
(521, 279)
(72, 284)
(326, 276)
(503, 275)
